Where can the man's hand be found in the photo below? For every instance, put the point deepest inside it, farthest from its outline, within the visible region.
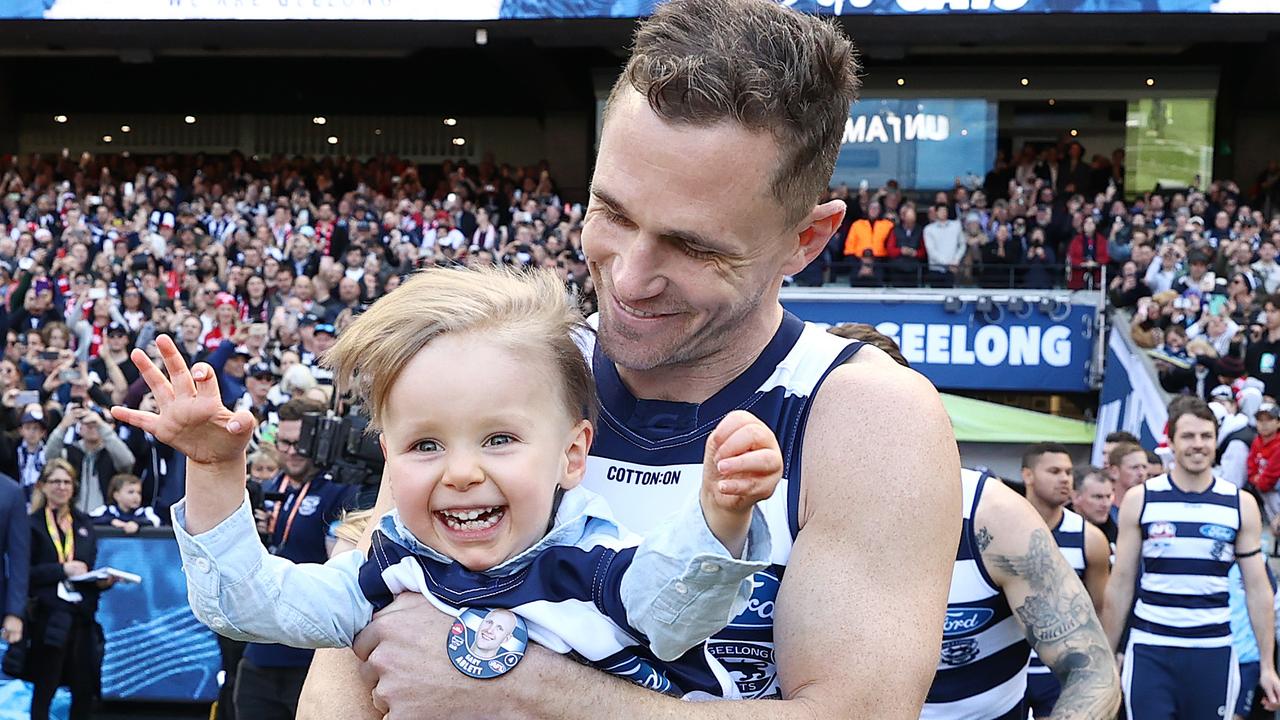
(12, 631)
(741, 467)
(1270, 685)
(192, 418)
(411, 633)
(74, 568)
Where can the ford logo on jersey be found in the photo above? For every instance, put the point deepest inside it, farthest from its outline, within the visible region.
(764, 594)
(963, 621)
(1218, 532)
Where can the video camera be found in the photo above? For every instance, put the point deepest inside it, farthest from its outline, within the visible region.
(341, 445)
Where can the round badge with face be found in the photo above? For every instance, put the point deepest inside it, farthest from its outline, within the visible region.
(486, 643)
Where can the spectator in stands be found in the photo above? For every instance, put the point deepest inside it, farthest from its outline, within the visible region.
(1264, 461)
(1041, 261)
(1198, 281)
(65, 648)
(1160, 275)
(1266, 269)
(1264, 348)
(30, 452)
(1235, 436)
(125, 511)
(871, 234)
(908, 240)
(944, 246)
(1001, 256)
(1086, 254)
(229, 361)
(1127, 288)
(97, 451)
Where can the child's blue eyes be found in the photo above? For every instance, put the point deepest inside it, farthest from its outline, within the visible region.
(431, 446)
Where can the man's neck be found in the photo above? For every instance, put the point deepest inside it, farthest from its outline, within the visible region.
(1051, 514)
(698, 380)
(1191, 482)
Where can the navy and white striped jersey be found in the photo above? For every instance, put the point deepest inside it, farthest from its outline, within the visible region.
(1069, 535)
(982, 671)
(647, 459)
(1188, 547)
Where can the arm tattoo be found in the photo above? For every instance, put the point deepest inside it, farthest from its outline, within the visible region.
(984, 539)
(1060, 624)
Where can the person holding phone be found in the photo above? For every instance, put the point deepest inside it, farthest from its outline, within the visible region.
(97, 452)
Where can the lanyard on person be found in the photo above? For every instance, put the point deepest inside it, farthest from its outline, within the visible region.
(297, 503)
(65, 547)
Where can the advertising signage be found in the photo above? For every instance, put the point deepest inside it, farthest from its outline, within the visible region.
(970, 350)
(921, 143)
(549, 9)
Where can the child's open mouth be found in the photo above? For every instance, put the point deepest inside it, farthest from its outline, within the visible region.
(472, 519)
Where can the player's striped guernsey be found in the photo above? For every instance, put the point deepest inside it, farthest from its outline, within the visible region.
(982, 671)
(1188, 547)
(1069, 535)
(647, 461)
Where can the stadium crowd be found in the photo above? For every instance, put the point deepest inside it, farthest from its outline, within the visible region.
(1050, 219)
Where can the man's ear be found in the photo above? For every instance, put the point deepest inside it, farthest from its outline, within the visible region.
(814, 232)
(576, 454)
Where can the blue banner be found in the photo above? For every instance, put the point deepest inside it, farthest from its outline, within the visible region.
(969, 350)
(543, 9)
(921, 143)
(156, 649)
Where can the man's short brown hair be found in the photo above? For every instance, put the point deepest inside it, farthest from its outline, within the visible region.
(760, 65)
(1124, 450)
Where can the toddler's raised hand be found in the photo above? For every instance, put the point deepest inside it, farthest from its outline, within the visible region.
(741, 467)
(192, 418)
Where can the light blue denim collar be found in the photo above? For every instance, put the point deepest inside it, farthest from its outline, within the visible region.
(578, 507)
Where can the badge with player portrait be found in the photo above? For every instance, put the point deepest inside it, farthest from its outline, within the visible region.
(487, 643)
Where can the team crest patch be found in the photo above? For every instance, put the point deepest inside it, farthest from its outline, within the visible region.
(748, 651)
(484, 643)
(309, 506)
(1162, 530)
(750, 664)
(959, 652)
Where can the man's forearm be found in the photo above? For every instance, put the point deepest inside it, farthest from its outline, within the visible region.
(1264, 624)
(565, 690)
(1116, 611)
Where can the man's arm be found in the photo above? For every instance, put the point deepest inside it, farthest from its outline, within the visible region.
(863, 480)
(17, 553)
(1049, 602)
(1097, 565)
(1124, 573)
(1259, 597)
